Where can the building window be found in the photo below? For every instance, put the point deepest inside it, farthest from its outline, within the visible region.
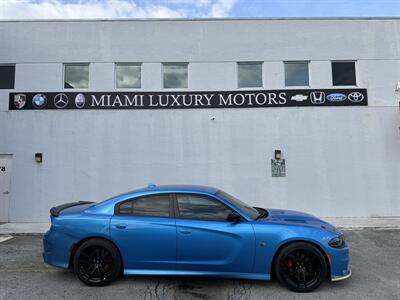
(7, 76)
(175, 75)
(76, 76)
(344, 73)
(250, 74)
(296, 74)
(128, 75)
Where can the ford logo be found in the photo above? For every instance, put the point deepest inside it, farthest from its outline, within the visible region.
(336, 97)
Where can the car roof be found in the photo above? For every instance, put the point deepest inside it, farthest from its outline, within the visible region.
(176, 188)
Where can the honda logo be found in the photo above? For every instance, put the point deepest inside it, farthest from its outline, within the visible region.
(317, 97)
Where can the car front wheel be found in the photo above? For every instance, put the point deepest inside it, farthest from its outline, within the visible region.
(301, 267)
(97, 262)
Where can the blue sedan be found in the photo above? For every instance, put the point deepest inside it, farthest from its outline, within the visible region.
(193, 231)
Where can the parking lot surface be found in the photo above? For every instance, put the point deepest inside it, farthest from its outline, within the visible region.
(375, 262)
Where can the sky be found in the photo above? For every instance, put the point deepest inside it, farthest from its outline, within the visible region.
(83, 9)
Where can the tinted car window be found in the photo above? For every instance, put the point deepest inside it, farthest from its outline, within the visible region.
(151, 206)
(201, 208)
(247, 209)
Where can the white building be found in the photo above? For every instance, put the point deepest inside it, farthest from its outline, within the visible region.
(322, 91)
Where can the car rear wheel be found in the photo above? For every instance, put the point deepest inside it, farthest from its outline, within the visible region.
(97, 262)
(301, 267)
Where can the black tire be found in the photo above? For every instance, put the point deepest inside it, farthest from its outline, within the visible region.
(301, 267)
(97, 262)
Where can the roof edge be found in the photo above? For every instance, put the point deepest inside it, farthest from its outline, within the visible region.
(206, 19)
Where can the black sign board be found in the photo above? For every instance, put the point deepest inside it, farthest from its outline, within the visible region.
(182, 100)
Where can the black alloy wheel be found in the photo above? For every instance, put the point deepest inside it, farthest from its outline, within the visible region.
(301, 267)
(97, 262)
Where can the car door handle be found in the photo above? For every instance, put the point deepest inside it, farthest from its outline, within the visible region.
(121, 226)
(185, 232)
(6, 193)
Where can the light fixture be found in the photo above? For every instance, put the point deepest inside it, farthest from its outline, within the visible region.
(39, 157)
(278, 154)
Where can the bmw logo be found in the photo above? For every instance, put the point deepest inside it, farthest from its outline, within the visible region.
(80, 100)
(39, 100)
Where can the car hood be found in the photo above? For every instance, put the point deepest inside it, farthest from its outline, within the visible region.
(291, 217)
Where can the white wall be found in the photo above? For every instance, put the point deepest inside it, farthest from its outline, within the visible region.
(341, 161)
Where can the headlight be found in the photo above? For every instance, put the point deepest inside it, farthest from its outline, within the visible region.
(337, 242)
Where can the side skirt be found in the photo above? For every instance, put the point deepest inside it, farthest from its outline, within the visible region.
(253, 276)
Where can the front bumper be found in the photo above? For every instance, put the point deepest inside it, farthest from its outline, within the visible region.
(339, 263)
(343, 277)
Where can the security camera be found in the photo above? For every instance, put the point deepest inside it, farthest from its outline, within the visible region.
(212, 118)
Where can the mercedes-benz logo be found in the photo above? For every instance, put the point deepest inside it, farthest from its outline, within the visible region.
(60, 100)
(355, 97)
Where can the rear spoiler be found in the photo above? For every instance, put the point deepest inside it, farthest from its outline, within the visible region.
(55, 211)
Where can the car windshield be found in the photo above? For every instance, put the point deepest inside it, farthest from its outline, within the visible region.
(247, 209)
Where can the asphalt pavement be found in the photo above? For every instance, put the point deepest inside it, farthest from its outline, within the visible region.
(375, 262)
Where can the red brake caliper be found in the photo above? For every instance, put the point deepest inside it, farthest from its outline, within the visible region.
(107, 266)
(289, 263)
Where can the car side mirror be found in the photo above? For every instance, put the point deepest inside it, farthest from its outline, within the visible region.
(234, 217)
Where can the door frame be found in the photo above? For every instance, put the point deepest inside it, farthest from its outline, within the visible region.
(8, 156)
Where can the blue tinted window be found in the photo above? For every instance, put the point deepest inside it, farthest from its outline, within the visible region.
(201, 208)
(151, 206)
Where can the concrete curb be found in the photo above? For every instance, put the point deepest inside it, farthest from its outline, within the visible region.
(5, 238)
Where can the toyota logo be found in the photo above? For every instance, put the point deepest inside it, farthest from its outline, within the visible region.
(355, 97)
(60, 100)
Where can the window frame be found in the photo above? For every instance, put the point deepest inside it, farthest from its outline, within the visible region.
(249, 63)
(116, 75)
(355, 72)
(75, 64)
(15, 73)
(176, 207)
(163, 64)
(171, 206)
(294, 62)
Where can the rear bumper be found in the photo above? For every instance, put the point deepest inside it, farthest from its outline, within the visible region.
(56, 251)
